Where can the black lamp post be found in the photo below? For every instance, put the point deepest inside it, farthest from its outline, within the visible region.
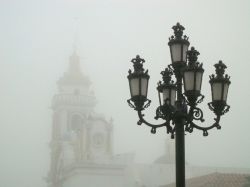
(174, 104)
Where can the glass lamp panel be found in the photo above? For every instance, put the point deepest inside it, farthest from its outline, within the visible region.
(185, 48)
(144, 86)
(217, 91)
(198, 80)
(226, 85)
(189, 80)
(160, 97)
(176, 52)
(173, 96)
(134, 86)
(165, 94)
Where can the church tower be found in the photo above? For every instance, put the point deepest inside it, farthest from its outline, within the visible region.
(80, 137)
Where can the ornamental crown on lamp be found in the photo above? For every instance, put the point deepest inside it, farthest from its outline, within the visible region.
(178, 45)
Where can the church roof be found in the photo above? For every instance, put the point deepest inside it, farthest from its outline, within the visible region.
(217, 180)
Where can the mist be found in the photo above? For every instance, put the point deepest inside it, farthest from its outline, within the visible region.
(38, 37)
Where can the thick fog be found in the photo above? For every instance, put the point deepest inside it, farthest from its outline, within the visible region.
(37, 38)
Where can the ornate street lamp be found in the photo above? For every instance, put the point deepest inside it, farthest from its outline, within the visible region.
(192, 76)
(166, 89)
(176, 105)
(178, 45)
(138, 83)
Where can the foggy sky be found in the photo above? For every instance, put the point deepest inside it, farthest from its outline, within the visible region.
(36, 40)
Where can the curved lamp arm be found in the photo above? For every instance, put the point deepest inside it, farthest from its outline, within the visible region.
(196, 113)
(192, 125)
(154, 127)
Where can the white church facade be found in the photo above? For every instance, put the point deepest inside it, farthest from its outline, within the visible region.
(82, 140)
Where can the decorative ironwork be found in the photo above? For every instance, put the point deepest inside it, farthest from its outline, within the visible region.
(138, 63)
(178, 30)
(159, 113)
(166, 75)
(200, 100)
(192, 56)
(134, 106)
(185, 107)
(198, 114)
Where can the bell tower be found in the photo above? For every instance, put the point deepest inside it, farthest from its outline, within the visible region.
(79, 135)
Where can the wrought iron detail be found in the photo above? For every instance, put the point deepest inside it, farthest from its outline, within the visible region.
(198, 114)
(200, 100)
(145, 105)
(159, 113)
(138, 63)
(131, 104)
(184, 111)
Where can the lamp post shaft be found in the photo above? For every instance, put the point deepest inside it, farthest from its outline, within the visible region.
(179, 137)
(180, 155)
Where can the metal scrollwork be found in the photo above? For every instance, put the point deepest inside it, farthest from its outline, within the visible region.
(159, 114)
(210, 106)
(134, 106)
(191, 125)
(201, 99)
(154, 127)
(131, 104)
(198, 114)
(227, 107)
(148, 102)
